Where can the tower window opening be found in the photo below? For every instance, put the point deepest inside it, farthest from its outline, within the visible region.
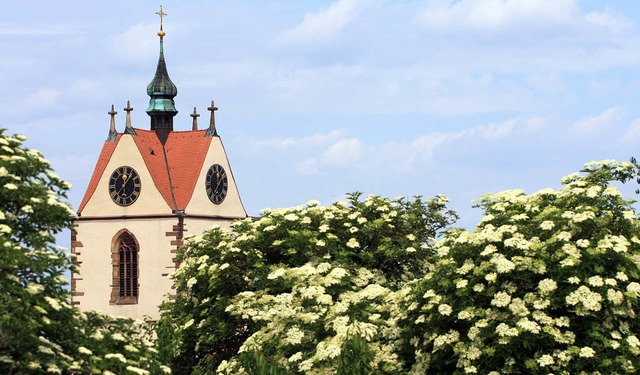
(125, 270)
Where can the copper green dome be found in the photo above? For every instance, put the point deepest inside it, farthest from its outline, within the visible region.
(161, 89)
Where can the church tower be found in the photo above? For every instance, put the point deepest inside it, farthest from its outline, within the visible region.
(149, 189)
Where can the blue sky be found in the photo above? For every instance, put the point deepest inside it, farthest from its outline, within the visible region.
(321, 98)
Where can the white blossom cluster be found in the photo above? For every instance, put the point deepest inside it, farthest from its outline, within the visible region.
(41, 332)
(311, 278)
(547, 283)
(325, 307)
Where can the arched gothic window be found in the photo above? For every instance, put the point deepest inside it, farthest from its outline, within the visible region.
(124, 259)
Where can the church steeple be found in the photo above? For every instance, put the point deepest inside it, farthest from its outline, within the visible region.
(161, 92)
(148, 187)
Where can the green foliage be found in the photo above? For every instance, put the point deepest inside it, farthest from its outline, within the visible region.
(301, 288)
(355, 357)
(118, 345)
(33, 295)
(547, 283)
(39, 330)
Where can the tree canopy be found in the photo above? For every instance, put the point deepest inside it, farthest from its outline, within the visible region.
(547, 282)
(40, 332)
(297, 288)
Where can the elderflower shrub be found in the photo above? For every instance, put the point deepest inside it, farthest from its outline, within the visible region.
(555, 293)
(117, 344)
(40, 332)
(300, 290)
(35, 313)
(321, 308)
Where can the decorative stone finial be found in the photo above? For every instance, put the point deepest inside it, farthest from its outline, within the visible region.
(112, 127)
(212, 132)
(195, 116)
(128, 128)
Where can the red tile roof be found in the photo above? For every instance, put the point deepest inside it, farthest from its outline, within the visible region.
(152, 153)
(101, 164)
(186, 152)
(174, 168)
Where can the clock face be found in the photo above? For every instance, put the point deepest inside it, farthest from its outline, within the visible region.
(216, 183)
(124, 186)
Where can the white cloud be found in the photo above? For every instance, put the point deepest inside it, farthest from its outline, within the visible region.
(307, 167)
(381, 62)
(423, 148)
(37, 31)
(134, 45)
(495, 14)
(322, 25)
(343, 152)
(14, 64)
(497, 131)
(610, 20)
(304, 143)
(405, 156)
(381, 77)
(42, 98)
(38, 101)
(598, 122)
(633, 133)
(604, 86)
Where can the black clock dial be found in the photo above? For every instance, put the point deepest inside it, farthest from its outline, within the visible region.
(124, 186)
(216, 183)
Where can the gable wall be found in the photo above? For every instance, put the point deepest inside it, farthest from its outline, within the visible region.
(150, 200)
(200, 204)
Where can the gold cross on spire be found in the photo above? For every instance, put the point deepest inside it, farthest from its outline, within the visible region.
(161, 14)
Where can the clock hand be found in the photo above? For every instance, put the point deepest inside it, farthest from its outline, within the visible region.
(124, 183)
(127, 184)
(220, 180)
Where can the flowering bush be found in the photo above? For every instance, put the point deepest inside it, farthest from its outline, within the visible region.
(300, 290)
(39, 330)
(112, 345)
(547, 283)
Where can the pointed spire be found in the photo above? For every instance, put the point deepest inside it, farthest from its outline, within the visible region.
(112, 127)
(128, 128)
(212, 132)
(195, 116)
(161, 92)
